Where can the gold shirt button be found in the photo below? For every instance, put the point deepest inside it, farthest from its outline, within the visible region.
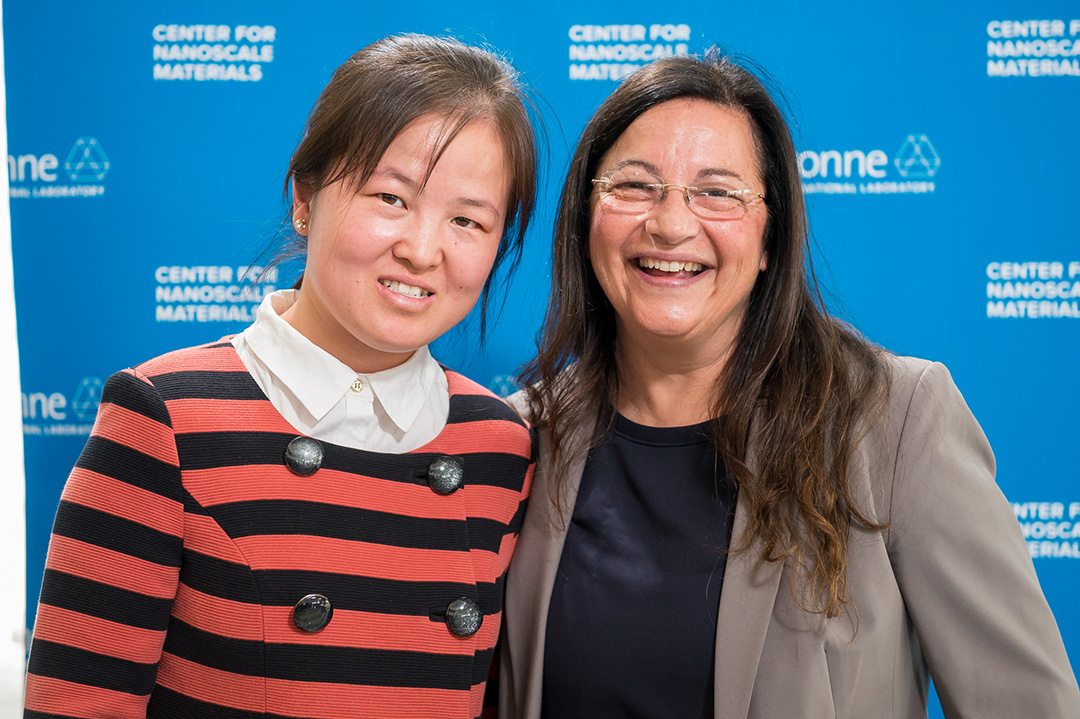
(358, 385)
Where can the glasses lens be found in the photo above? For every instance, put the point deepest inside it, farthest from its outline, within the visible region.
(718, 203)
(634, 190)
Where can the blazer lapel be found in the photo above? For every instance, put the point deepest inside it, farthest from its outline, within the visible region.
(746, 604)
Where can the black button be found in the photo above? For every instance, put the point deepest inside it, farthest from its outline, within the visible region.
(304, 455)
(464, 617)
(445, 475)
(312, 613)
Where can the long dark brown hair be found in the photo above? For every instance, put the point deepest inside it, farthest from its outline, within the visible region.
(799, 384)
(378, 91)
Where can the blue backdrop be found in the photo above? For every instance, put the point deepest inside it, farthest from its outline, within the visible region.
(148, 147)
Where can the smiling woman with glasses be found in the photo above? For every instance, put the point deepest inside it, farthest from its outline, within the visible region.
(743, 509)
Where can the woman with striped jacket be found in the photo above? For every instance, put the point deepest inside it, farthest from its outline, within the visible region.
(313, 518)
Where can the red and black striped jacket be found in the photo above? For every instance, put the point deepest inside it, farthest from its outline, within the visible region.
(183, 542)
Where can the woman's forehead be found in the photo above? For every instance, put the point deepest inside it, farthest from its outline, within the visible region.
(689, 136)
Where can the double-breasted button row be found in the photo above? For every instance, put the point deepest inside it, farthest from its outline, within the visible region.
(445, 475)
(314, 612)
(304, 456)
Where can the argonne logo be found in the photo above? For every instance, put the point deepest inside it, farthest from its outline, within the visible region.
(42, 176)
(87, 399)
(852, 172)
(51, 413)
(87, 161)
(917, 158)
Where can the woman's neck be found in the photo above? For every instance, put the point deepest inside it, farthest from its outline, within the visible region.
(311, 319)
(666, 385)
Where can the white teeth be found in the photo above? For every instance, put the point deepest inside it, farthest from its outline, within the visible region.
(403, 289)
(649, 263)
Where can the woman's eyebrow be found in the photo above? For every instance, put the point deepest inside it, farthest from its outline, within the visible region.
(720, 172)
(643, 164)
(482, 204)
(702, 174)
(396, 175)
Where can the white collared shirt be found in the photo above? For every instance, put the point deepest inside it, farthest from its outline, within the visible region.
(396, 410)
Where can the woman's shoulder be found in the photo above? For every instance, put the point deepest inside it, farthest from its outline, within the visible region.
(139, 396)
(913, 380)
(471, 401)
(530, 401)
(519, 402)
(217, 356)
(212, 370)
(923, 405)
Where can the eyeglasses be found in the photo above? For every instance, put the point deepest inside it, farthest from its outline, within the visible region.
(641, 194)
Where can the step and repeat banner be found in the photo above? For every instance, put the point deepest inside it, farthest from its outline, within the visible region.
(148, 146)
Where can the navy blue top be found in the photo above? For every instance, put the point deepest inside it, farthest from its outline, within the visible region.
(631, 630)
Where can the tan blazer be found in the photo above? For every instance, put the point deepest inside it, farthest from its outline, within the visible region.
(949, 589)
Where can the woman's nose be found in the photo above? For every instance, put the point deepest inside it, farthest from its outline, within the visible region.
(671, 221)
(420, 246)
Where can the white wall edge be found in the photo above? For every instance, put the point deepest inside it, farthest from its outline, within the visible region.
(13, 479)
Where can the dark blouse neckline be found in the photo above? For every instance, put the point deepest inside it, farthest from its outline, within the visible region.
(661, 436)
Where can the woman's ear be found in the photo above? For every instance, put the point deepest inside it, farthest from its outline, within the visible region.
(301, 208)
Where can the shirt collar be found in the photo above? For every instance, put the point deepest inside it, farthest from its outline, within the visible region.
(403, 390)
(319, 380)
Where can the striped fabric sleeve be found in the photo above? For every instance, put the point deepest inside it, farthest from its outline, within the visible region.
(113, 564)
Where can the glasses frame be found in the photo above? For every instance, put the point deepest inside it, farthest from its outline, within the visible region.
(604, 183)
